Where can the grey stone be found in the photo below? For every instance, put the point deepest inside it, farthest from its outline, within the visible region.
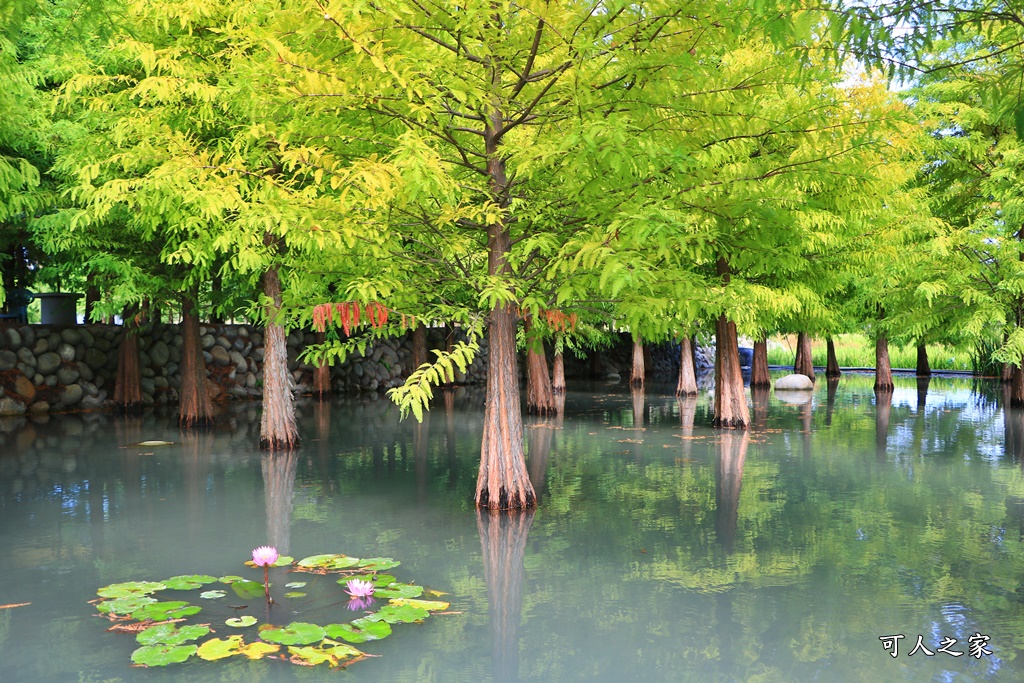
(68, 375)
(147, 372)
(238, 345)
(207, 342)
(28, 335)
(87, 337)
(25, 356)
(229, 332)
(41, 346)
(66, 351)
(178, 341)
(48, 363)
(79, 350)
(148, 385)
(223, 342)
(172, 369)
(13, 338)
(794, 383)
(8, 406)
(90, 389)
(95, 358)
(250, 380)
(8, 359)
(220, 355)
(144, 360)
(256, 337)
(207, 357)
(50, 380)
(102, 344)
(91, 402)
(175, 354)
(243, 332)
(71, 336)
(160, 354)
(294, 340)
(38, 379)
(160, 382)
(72, 394)
(86, 372)
(39, 407)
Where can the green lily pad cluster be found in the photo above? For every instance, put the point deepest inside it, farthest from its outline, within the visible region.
(165, 637)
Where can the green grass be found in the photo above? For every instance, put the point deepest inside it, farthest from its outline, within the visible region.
(856, 350)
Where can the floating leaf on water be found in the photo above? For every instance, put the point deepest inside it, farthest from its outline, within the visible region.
(161, 611)
(378, 580)
(429, 605)
(212, 595)
(329, 653)
(328, 562)
(359, 630)
(295, 633)
(170, 634)
(129, 588)
(398, 614)
(294, 594)
(162, 655)
(231, 578)
(187, 583)
(377, 564)
(125, 605)
(247, 589)
(259, 650)
(241, 622)
(399, 590)
(295, 584)
(219, 648)
(155, 443)
(282, 561)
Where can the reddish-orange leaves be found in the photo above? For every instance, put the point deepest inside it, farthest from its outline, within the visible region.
(348, 314)
(557, 320)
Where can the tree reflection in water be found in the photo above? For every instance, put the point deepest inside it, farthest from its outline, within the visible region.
(279, 489)
(830, 400)
(539, 435)
(731, 452)
(883, 410)
(503, 537)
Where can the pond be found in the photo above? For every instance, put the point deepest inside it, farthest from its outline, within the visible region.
(662, 550)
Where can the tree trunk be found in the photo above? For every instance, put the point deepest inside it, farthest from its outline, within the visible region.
(92, 296)
(1007, 375)
(322, 374)
(539, 399)
(419, 347)
(832, 365)
(638, 371)
(503, 537)
(804, 364)
(1017, 388)
(732, 453)
(277, 425)
(128, 386)
(923, 368)
(596, 365)
(730, 399)
(558, 374)
(216, 288)
(883, 370)
(759, 376)
(194, 409)
(687, 384)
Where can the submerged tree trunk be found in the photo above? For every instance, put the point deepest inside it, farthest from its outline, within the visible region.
(558, 374)
(687, 384)
(195, 409)
(923, 368)
(639, 406)
(638, 371)
(128, 383)
(1007, 374)
(419, 347)
(832, 364)
(730, 399)
(503, 537)
(759, 376)
(539, 399)
(1017, 388)
(277, 425)
(804, 364)
(321, 375)
(883, 370)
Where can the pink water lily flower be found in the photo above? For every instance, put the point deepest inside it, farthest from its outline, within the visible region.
(358, 588)
(264, 556)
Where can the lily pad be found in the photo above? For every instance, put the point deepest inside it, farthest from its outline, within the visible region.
(241, 622)
(378, 564)
(258, 650)
(129, 588)
(187, 583)
(169, 634)
(295, 633)
(378, 580)
(331, 653)
(429, 605)
(212, 595)
(155, 443)
(282, 561)
(398, 614)
(294, 594)
(125, 605)
(161, 611)
(162, 655)
(399, 590)
(230, 578)
(359, 630)
(328, 562)
(295, 584)
(219, 648)
(248, 589)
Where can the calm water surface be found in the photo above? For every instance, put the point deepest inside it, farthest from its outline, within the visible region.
(662, 550)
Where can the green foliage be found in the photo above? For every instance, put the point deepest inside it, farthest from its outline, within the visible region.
(415, 394)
